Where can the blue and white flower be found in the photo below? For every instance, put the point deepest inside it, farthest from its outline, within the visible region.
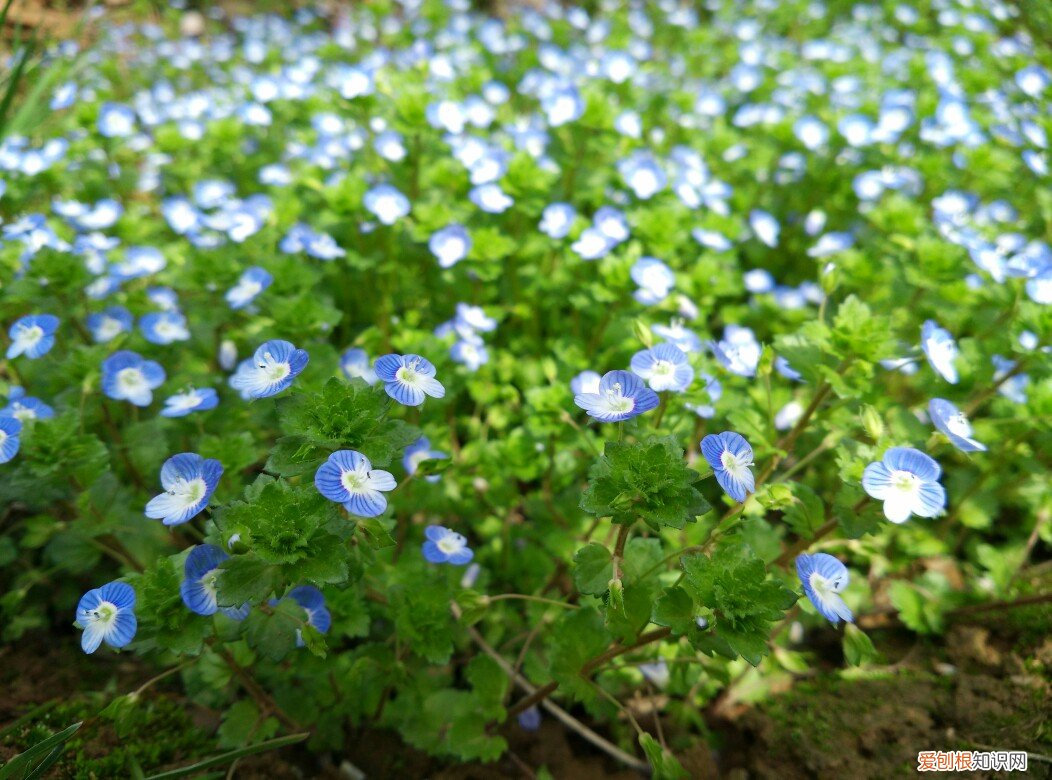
(953, 423)
(676, 333)
(251, 283)
(270, 370)
(25, 408)
(107, 325)
(655, 280)
(107, 614)
(348, 478)
(940, 349)
(193, 400)
(665, 367)
(585, 382)
(355, 364)
(164, 327)
(188, 481)
(620, 396)
(730, 456)
(419, 451)
(115, 120)
(557, 219)
(32, 336)
(313, 603)
(738, 351)
(823, 578)
(408, 378)
(10, 437)
(386, 203)
(450, 245)
(469, 352)
(765, 227)
(446, 546)
(127, 376)
(906, 480)
(198, 588)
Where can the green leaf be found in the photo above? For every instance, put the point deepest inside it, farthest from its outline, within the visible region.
(489, 683)
(745, 601)
(246, 579)
(806, 513)
(272, 633)
(675, 609)
(577, 637)
(645, 480)
(665, 765)
(227, 758)
(592, 569)
(858, 648)
(915, 611)
(343, 415)
(164, 621)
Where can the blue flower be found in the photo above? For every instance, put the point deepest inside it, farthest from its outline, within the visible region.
(115, 120)
(1014, 387)
(563, 105)
(355, 365)
(621, 396)
(164, 327)
(198, 587)
(940, 349)
(32, 335)
(684, 338)
(189, 481)
(419, 451)
(491, 198)
(446, 546)
(641, 172)
(557, 219)
(530, 718)
(107, 614)
(655, 280)
(781, 365)
(251, 283)
(126, 376)
(313, 603)
(10, 437)
(665, 367)
(765, 226)
(109, 324)
(348, 478)
(408, 378)
(739, 351)
(954, 424)
(470, 352)
(194, 400)
(450, 245)
(906, 480)
(730, 456)
(585, 382)
(823, 577)
(270, 370)
(25, 408)
(386, 203)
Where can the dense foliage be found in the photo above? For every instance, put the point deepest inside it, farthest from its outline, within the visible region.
(416, 369)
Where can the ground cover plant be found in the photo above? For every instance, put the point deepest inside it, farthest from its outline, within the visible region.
(409, 369)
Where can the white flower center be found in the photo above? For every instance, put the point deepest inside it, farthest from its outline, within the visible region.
(735, 465)
(109, 329)
(30, 334)
(104, 613)
(354, 481)
(407, 374)
(958, 425)
(664, 368)
(617, 402)
(822, 587)
(189, 492)
(905, 482)
(273, 370)
(449, 544)
(130, 379)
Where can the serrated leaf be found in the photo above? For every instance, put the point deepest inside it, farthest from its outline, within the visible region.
(592, 567)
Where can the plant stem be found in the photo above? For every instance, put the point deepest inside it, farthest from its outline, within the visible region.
(538, 599)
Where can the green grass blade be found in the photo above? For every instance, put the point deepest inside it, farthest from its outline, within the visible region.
(225, 758)
(19, 766)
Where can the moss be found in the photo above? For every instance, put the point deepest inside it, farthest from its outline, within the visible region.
(157, 732)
